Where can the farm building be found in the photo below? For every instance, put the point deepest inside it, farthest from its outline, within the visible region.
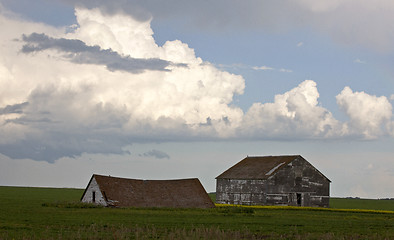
(273, 180)
(123, 192)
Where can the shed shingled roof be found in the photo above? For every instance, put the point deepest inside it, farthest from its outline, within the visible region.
(180, 193)
(261, 167)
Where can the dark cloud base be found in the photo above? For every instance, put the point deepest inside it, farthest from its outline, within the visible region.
(78, 52)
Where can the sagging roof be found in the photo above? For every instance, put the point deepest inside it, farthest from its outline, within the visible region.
(181, 193)
(261, 167)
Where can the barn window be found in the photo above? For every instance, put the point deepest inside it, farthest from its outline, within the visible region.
(93, 196)
(299, 198)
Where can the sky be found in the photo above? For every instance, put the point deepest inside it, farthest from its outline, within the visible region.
(182, 89)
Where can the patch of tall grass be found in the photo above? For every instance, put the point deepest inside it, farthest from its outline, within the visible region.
(95, 231)
(71, 204)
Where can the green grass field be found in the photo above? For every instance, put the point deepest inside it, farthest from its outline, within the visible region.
(48, 213)
(362, 204)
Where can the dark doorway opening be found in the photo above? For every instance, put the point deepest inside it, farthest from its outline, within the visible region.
(94, 196)
(299, 199)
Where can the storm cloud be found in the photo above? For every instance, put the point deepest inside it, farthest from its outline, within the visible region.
(15, 108)
(329, 17)
(57, 100)
(78, 52)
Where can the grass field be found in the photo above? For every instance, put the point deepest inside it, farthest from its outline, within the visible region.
(362, 204)
(45, 213)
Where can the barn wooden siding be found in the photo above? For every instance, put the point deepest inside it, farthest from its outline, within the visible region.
(291, 181)
(93, 189)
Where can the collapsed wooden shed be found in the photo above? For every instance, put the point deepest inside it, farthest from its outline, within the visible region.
(273, 180)
(124, 192)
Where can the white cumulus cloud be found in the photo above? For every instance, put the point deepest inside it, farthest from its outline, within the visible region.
(67, 107)
(108, 84)
(370, 116)
(295, 113)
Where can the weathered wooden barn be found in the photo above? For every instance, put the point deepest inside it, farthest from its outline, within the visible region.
(273, 180)
(124, 192)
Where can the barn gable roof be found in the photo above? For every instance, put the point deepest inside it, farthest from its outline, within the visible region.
(180, 193)
(259, 167)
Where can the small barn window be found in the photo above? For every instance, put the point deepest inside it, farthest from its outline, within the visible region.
(299, 198)
(93, 196)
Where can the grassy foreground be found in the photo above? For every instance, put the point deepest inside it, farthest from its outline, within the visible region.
(47, 213)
